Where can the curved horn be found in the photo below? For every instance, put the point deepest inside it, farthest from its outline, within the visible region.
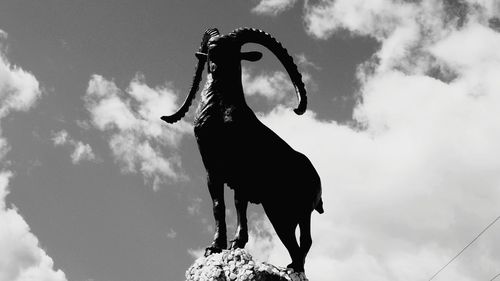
(251, 35)
(202, 58)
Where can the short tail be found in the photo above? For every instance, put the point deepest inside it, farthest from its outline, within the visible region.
(319, 206)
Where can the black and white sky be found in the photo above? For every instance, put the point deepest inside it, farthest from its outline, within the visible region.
(402, 126)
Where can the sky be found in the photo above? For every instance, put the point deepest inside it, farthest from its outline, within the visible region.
(402, 126)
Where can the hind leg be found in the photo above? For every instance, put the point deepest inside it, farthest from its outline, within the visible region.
(285, 226)
(241, 237)
(305, 236)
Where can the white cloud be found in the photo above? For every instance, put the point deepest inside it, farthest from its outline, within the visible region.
(132, 118)
(21, 257)
(275, 86)
(490, 8)
(273, 7)
(375, 18)
(19, 89)
(303, 61)
(421, 178)
(462, 52)
(60, 138)
(171, 234)
(194, 207)
(196, 253)
(81, 151)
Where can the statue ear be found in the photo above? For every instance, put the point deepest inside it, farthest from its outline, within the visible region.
(251, 56)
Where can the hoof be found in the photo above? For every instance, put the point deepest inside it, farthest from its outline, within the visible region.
(216, 247)
(237, 244)
(296, 268)
(212, 250)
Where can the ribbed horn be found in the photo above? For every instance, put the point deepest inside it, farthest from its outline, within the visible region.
(251, 35)
(202, 58)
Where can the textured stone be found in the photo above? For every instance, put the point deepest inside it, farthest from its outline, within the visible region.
(238, 265)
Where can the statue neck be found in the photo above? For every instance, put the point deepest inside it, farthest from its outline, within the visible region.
(228, 90)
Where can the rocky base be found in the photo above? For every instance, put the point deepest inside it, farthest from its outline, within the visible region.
(238, 265)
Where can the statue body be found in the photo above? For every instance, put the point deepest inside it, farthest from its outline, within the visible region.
(248, 156)
(240, 151)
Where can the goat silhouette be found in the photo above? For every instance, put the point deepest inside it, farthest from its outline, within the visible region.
(240, 151)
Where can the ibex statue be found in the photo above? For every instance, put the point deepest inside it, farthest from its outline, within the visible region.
(237, 149)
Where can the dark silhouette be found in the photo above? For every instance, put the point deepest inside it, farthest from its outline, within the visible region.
(237, 149)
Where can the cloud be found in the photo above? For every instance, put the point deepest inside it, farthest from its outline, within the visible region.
(419, 176)
(19, 89)
(196, 253)
(195, 206)
(275, 86)
(135, 132)
(60, 138)
(21, 257)
(303, 61)
(171, 234)
(273, 7)
(81, 151)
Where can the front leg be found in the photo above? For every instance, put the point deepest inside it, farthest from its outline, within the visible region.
(241, 236)
(216, 188)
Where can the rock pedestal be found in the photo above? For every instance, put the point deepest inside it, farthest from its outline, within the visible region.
(238, 265)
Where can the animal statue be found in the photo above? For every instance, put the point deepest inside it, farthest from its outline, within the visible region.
(240, 151)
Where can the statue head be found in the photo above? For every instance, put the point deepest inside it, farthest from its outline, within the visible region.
(222, 54)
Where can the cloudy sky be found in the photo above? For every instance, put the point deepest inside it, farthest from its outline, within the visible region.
(403, 127)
